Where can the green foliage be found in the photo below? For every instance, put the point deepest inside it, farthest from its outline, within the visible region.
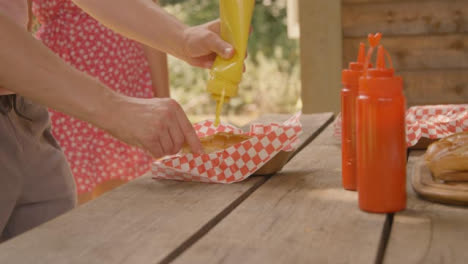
(271, 82)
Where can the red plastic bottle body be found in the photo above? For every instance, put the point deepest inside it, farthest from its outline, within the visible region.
(348, 136)
(381, 146)
(350, 80)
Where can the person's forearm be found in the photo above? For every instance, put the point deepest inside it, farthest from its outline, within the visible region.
(16, 11)
(140, 20)
(30, 69)
(157, 61)
(29, 24)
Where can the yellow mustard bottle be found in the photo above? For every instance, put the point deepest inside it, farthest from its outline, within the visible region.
(225, 75)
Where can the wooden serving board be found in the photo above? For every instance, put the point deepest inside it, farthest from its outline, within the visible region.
(423, 143)
(426, 186)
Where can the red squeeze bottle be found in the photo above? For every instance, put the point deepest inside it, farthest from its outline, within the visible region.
(381, 140)
(350, 81)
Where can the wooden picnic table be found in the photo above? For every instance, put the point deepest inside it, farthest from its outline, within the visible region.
(299, 215)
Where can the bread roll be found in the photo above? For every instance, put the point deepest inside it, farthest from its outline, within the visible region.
(448, 158)
(218, 141)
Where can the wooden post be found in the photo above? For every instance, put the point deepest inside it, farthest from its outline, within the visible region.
(321, 54)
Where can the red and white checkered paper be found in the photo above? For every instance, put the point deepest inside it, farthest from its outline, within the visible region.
(235, 163)
(429, 121)
(435, 121)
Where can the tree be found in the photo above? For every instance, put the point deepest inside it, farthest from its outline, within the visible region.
(271, 83)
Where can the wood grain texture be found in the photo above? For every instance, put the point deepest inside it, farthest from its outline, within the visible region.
(411, 53)
(301, 215)
(141, 222)
(427, 232)
(381, 1)
(436, 87)
(405, 18)
(321, 47)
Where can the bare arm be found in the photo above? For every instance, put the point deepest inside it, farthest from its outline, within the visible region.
(141, 20)
(145, 22)
(30, 16)
(16, 11)
(159, 72)
(32, 70)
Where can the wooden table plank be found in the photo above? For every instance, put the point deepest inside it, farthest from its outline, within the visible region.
(427, 232)
(143, 221)
(301, 215)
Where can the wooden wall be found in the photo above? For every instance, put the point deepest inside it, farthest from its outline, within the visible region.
(321, 54)
(427, 39)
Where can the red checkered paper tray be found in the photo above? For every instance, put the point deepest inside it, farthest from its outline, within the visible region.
(235, 163)
(429, 121)
(435, 121)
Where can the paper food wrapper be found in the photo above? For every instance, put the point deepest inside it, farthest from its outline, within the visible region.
(429, 121)
(235, 163)
(435, 121)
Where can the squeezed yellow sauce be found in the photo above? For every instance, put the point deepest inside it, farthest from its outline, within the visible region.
(219, 107)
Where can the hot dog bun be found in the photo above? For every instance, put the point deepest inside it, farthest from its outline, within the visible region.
(448, 158)
(218, 141)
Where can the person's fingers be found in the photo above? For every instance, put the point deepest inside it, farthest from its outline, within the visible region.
(156, 150)
(199, 63)
(214, 26)
(219, 46)
(176, 136)
(166, 143)
(189, 133)
(203, 61)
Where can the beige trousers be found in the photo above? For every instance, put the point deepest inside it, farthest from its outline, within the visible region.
(36, 183)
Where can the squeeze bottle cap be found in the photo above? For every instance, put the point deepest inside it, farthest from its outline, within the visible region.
(381, 79)
(374, 40)
(359, 64)
(380, 70)
(351, 75)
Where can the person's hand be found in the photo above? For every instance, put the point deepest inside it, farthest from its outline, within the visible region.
(158, 125)
(202, 43)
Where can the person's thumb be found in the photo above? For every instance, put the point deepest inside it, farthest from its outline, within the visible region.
(219, 46)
